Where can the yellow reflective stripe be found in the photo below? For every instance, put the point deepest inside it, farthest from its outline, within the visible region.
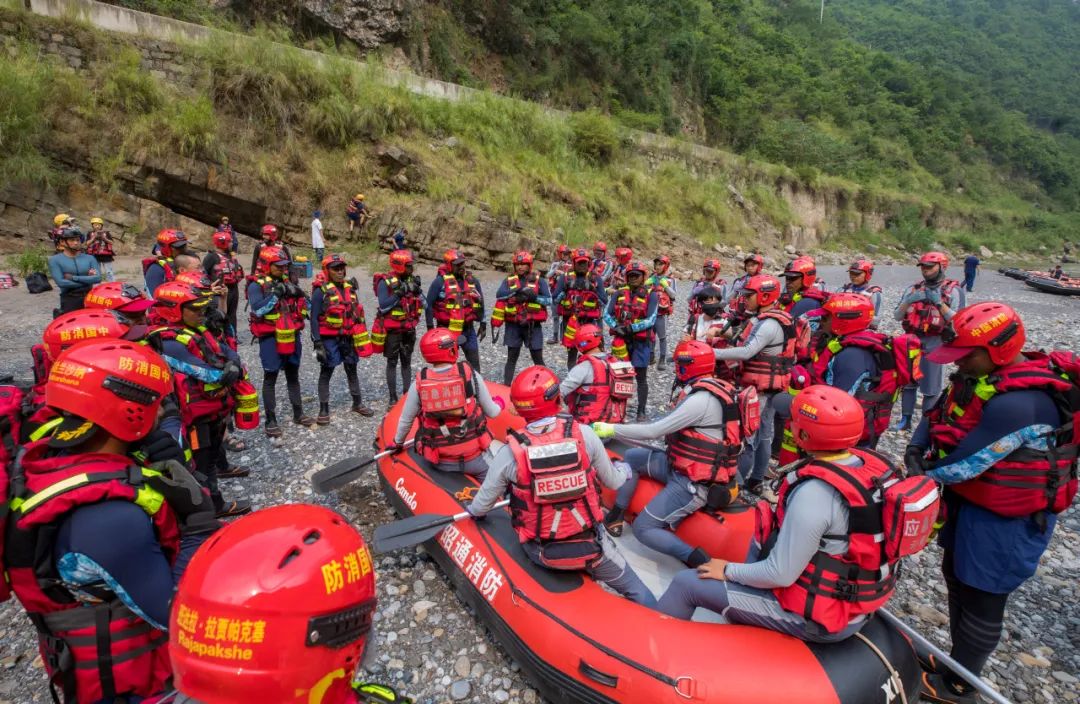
(45, 429)
(984, 390)
(47, 493)
(835, 346)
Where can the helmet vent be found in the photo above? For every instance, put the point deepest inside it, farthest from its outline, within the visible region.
(289, 557)
(312, 537)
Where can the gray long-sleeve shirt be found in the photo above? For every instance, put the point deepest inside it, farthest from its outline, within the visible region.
(699, 410)
(957, 299)
(503, 468)
(580, 375)
(814, 510)
(412, 402)
(767, 336)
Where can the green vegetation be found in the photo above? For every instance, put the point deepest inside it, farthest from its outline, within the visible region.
(29, 261)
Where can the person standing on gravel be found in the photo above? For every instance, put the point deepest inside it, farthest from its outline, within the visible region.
(223, 268)
(521, 306)
(74, 271)
(99, 245)
(581, 298)
(859, 274)
(226, 226)
(318, 244)
(159, 267)
(631, 318)
(996, 443)
(752, 265)
(971, 269)
(394, 331)
(925, 310)
(561, 266)
(710, 276)
(456, 301)
(665, 288)
(339, 334)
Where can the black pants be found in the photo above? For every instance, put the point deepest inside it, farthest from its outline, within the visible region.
(642, 374)
(975, 621)
(232, 302)
(399, 348)
(325, 373)
(206, 438)
(269, 389)
(73, 299)
(512, 354)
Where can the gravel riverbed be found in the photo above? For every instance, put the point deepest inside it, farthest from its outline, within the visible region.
(431, 647)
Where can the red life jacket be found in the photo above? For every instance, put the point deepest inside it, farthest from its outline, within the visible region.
(1025, 482)
(459, 303)
(343, 316)
(665, 306)
(604, 398)
(403, 316)
(787, 302)
(896, 363)
(868, 291)
(199, 400)
(924, 319)
(164, 262)
(286, 318)
(706, 459)
(510, 310)
(228, 268)
(102, 247)
(556, 495)
(631, 305)
(581, 302)
(452, 424)
(560, 268)
(104, 650)
(770, 372)
(888, 518)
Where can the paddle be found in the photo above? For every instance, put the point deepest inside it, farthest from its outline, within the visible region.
(415, 529)
(346, 471)
(970, 677)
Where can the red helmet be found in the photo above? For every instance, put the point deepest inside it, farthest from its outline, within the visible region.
(562, 249)
(804, 267)
(935, 258)
(862, 265)
(588, 337)
(119, 296)
(849, 312)
(535, 393)
(991, 325)
(693, 359)
(636, 267)
(754, 257)
(665, 263)
(826, 418)
(600, 246)
(439, 346)
(451, 256)
(623, 255)
(400, 259)
(290, 587)
(273, 255)
(582, 255)
(172, 296)
(115, 384)
(332, 260)
(713, 264)
(270, 232)
(80, 325)
(523, 257)
(766, 286)
(171, 240)
(222, 240)
(195, 279)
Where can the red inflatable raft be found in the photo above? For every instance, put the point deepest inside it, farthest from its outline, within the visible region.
(578, 642)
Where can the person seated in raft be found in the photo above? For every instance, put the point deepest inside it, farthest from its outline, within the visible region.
(553, 469)
(807, 532)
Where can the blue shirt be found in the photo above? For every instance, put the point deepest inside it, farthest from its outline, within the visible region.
(970, 264)
(78, 266)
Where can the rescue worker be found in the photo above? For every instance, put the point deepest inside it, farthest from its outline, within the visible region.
(623, 257)
(270, 236)
(339, 334)
(599, 385)
(521, 306)
(95, 540)
(63, 222)
(559, 528)
(73, 271)
(710, 276)
(159, 268)
(561, 266)
(814, 576)
(753, 263)
(766, 349)
(278, 309)
(925, 310)
(452, 403)
(99, 245)
(357, 212)
(226, 226)
(206, 371)
(705, 434)
(304, 622)
(122, 298)
(581, 298)
(223, 267)
(708, 323)
(801, 295)
(996, 441)
(400, 305)
(455, 300)
(666, 290)
(602, 265)
(859, 274)
(631, 316)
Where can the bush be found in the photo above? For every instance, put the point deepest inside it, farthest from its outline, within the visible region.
(29, 261)
(24, 90)
(129, 87)
(594, 136)
(194, 127)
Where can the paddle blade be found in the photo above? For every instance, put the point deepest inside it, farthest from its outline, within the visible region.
(408, 532)
(339, 474)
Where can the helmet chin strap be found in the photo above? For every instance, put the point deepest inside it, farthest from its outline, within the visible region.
(937, 277)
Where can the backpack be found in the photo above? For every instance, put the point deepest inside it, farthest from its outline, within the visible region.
(36, 282)
(1068, 365)
(376, 278)
(11, 408)
(906, 356)
(909, 508)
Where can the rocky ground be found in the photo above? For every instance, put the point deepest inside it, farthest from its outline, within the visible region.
(431, 647)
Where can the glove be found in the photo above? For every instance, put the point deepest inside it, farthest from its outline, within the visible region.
(160, 446)
(215, 321)
(179, 488)
(401, 288)
(293, 291)
(915, 460)
(394, 447)
(483, 332)
(320, 352)
(231, 373)
(620, 331)
(279, 289)
(914, 297)
(604, 430)
(932, 295)
(372, 693)
(528, 295)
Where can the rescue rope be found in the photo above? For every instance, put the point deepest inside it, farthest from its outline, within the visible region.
(888, 666)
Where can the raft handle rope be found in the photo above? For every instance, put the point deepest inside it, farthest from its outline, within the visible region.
(893, 674)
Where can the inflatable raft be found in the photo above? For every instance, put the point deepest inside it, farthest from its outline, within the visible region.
(1060, 287)
(578, 642)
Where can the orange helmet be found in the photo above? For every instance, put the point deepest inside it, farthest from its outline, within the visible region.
(292, 589)
(623, 255)
(713, 264)
(766, 286)
(170, 240)
(439, 346)
(171, 297)
(222, 240)
(693, 359)
(802, 267)
(582, 255)
(195, 279)
(931, 258)
(600, 247)
(849, 312)
(523, 257)
(992, 326)
(562, 249)
(665, 263)
(535, 393)
(332, 261)
(588, 337)
(755, 258)
(118, 296)
(78, 325)
(273, 255)
(400, 259)
(826, 418)
(636, 267)
(270, 232)
(864, 266)
(116, 385)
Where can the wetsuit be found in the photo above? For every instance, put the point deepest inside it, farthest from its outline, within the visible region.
(851, 369)
(79, 282)
(640, 352)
